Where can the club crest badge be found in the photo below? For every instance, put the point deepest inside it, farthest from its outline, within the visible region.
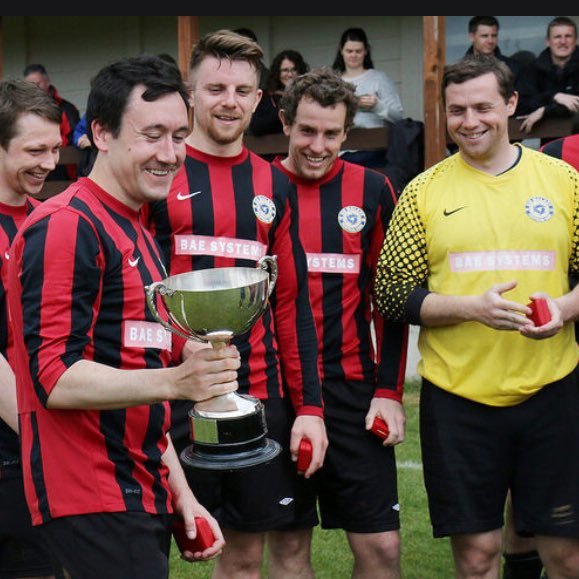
(264, 208)
(539, 209)
(352, 219)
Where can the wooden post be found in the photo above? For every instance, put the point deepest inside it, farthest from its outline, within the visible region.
(434, 28)
(187, 36)
(1, 48)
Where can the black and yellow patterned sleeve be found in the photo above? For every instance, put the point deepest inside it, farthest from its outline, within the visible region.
(402, 269)
(574, 257)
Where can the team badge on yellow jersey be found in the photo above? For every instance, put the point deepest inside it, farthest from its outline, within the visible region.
(539, 208)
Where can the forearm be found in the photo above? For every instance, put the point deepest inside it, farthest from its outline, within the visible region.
(446, 310)
(90, 385)
(569, 305)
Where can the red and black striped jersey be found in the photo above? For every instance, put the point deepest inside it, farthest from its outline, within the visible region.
(565, 148)
(11, 218)
(343, 218)
(77, 271)
(229, 212)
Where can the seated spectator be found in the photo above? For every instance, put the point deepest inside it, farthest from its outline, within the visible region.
(550, 85)
(81, 140)
(483, 33)
(378, 99)
(70, 116)
(284, 68)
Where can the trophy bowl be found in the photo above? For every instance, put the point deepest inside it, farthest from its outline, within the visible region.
(228, 432)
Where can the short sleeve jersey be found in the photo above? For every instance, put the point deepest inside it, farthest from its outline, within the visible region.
(230, 212)
(11, 218)
(77, 272)
(458, 231)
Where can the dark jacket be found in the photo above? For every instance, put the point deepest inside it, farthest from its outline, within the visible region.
(515, 66)
(541, 80)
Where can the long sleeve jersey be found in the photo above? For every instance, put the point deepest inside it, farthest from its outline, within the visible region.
(343, 218)
(11, 218)
(458, 231)
(230, 212)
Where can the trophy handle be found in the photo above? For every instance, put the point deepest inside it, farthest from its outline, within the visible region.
(269, 264)
(159, 287)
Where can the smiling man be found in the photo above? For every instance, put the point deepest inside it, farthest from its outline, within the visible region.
(29, 149)
(550, 86)
(344, 211)
(228, 208)
(471, 241)
(101, 474)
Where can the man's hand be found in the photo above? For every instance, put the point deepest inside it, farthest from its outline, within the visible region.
(569, 101)
(532, 119)
(313, 428)
(492, 310)
(392, 412)
(206, 372)
(552, 327)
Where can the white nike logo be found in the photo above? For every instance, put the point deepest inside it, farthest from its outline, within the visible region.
(183, 196)
(7, 255)
(133, 262)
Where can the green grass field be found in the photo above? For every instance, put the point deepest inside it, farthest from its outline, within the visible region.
(422, 556)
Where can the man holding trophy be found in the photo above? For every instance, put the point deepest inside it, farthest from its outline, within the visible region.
(229, 208)
(101, 474)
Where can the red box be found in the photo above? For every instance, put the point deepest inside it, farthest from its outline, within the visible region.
(380, 428)
(304, 455)
(541, 314)
(202, 541)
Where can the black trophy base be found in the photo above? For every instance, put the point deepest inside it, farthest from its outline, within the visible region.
(229, 441)
(206, 457)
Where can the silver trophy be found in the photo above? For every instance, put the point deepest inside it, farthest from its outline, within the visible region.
(213, 305)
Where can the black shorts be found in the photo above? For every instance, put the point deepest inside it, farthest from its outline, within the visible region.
(22, 549)
(112, 545)
(357, 486)
(260, 498)
(473, 453)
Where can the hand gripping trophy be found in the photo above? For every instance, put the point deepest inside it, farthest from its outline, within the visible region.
(214, 305)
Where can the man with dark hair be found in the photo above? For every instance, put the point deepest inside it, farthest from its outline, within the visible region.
(29, 148)
(228, 207)
(472, 241)
(344, 211)
(483, 33)
(550, 86)
(101, 474)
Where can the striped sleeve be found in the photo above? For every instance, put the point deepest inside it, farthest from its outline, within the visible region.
(295, 327)
(391, 337)
(58, 316)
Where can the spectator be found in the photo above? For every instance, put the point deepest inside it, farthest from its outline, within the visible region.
(70, 116)
(29, 145)
(378, 100)
(284, 68)
(472, 239)
(81, 141)
(344, 211)
(231, 207)
(483, 33)
(101, 473)
(550, 85)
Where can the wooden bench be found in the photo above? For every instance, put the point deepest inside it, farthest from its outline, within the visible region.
(358, 139)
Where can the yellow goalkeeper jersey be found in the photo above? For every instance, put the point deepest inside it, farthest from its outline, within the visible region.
(458, 231)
